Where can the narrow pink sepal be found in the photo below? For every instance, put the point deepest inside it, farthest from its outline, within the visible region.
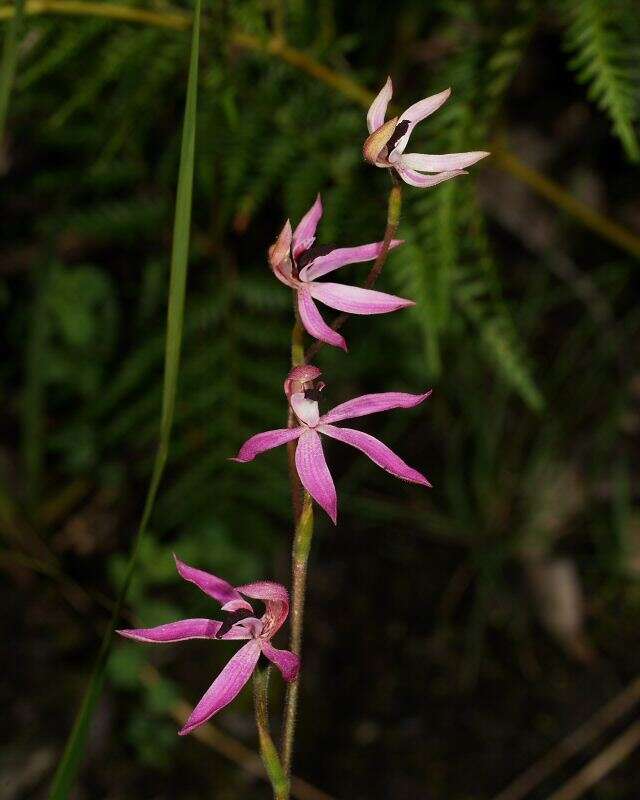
(425, 107)
(225, 687)
(414, 178)
(377, 451)
(341, 256)
(314, 473)
(175, 631)
(444, 163)
(378, 109)
(211, 585)
(305, 232)
(314, 324)
(416, 113)
(372, 404)
(354, 300)
(265, 441)
(287, 662)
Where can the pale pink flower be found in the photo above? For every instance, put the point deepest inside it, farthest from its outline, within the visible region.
(297, 262)
(242, 623)
(302, 388)
(387, 141)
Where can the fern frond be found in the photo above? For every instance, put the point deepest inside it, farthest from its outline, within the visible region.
(607, 58)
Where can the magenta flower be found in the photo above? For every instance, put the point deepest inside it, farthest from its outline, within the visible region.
(297, 263)
(302, 389)
(387, 141)
(240, 624)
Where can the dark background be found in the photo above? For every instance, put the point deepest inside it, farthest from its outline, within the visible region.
(453, 636)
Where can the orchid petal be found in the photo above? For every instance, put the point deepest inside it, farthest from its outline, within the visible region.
(304, 234)
(265, 441)
(314, 473)
(354, 300)
(377, 451)
(313, 322)
(276, 600)
(225, 687)
(178, 631)
(416, 113)
(373, 404)
(444, 163)
(306, 410)
(414, 178)
(287, 662)
(343, 255)
(378, 109)
(213, 586)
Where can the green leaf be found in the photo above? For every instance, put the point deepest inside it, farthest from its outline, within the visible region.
(9, 59)
(72, 757)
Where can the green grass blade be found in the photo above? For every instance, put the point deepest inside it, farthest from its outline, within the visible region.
(9, 59)
(68, 767)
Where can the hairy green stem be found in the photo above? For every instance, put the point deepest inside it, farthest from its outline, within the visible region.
(270, 758)
(302, 502)
(299, 561)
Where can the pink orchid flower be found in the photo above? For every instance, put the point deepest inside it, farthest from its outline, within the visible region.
(242, 623)
(297, 263)
(387, 141)
(302, 388)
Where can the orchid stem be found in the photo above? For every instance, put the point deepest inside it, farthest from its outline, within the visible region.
(270, 758)
(299, 559)
(303, 516)
(302, 502)
(394, 207)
